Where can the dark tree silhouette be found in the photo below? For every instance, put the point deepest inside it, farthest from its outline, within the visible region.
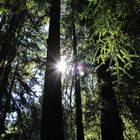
(52, 126)
(111, 125)
(79, 122)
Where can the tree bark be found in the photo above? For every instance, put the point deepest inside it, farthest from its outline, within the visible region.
(111, 124)
(52, 120)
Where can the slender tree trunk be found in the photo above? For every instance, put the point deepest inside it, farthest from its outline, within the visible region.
(111, 124)
(79, 122)
(52, 121)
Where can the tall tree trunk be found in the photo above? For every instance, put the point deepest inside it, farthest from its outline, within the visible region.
(79, 122)
(111, 124)
(52, 121)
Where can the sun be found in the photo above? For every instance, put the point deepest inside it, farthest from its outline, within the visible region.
(61, 66)
(66, 68)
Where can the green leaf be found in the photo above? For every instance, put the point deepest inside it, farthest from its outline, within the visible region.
(119, 56)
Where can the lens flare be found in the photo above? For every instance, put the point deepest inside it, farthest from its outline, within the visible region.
(80, 70)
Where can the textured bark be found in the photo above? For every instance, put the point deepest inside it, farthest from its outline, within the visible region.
(52, 121)
(111, 124)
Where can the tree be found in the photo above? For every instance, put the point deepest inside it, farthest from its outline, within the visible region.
(9, 41)
(111, 124)
(52, 120)
(79, 122)
(104, 36)
(107, 39)
(19, 51)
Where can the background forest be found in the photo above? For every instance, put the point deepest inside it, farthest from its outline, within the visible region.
(100, 74)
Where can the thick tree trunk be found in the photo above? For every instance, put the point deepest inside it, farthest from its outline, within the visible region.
(111, 124)
(52, 121)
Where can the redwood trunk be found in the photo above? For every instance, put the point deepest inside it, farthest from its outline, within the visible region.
(52, 122)
(111, 124)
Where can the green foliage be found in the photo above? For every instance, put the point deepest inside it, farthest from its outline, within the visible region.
(107, 38)
(30, 4)
(10, 132)
(106, 30)
(110, 33)
(130, 131)
(28, 39)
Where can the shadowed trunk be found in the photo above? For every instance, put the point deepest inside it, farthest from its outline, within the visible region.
(79, 122)
(111, 124)
(52, 121)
